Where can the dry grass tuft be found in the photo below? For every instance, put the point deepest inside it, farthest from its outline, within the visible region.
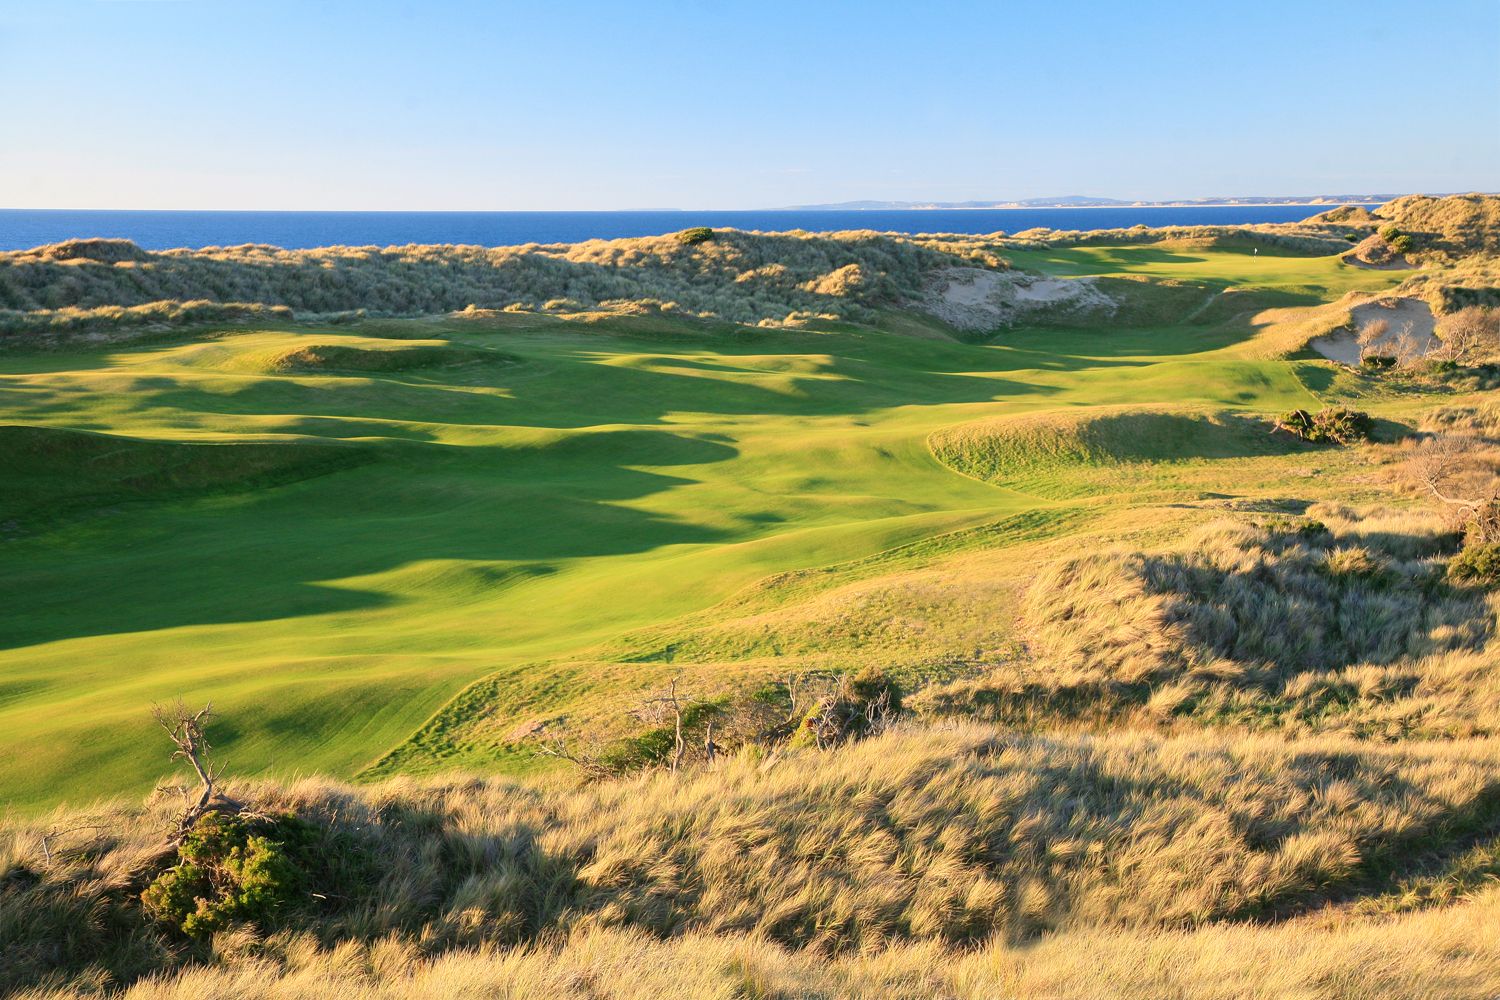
(944, 837)
(1344, 621)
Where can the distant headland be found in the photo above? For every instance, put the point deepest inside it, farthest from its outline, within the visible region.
(1083, 201)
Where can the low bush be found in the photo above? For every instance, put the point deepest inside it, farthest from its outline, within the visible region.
(1336, 424)
(237, 870)
(698, 234)
(1477, 564)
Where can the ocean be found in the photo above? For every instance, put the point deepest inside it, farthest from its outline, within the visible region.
(24, 228)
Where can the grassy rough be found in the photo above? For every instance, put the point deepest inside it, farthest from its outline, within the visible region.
(924, 837)
(1343, 622)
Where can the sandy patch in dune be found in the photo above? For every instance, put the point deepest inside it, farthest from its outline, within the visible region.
(1404, 318)
(972, 298)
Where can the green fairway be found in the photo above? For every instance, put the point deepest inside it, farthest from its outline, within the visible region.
(331, 532)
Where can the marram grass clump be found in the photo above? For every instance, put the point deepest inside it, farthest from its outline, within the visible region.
(944, 839)
(1343, 621)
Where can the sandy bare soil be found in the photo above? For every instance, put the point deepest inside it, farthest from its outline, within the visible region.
(1404, 317)
(972, 298)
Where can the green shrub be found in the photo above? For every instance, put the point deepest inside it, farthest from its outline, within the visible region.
(1298, 422)
(1389, 233)
(258, 871)
(1378, 361)
(1401, 243)
(1477, 564)
(1342, 425)
(656, 746)
(1338, 424)
(698, 234)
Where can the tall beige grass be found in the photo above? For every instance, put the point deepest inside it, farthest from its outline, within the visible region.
(948, 837)
(1451, 954)
(1342, 621)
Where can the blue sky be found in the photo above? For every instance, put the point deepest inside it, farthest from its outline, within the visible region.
(452, 104)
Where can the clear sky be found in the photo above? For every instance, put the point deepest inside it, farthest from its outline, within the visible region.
(550, 104)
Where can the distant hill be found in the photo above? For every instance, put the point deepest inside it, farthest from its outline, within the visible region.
(1084, 201)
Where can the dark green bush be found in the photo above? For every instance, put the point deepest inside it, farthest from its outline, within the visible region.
(1298, 422)
(1401, 243)
(1389, 233)
(1477, 564)
(1338, 424)
(698, 234)
(260, 871)
(1378, 361)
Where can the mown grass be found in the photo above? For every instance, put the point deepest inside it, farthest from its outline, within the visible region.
(581, 506)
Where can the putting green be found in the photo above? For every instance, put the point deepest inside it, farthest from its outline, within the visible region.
(507, 500)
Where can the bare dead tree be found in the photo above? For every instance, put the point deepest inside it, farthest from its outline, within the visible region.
(1468, 333)
(1439, 463)
(710, 748)
(1407, 346)
(673, 704)
(590, 763)
(1371, 335)
(1445, 465)
(880, 715)
(187, 731)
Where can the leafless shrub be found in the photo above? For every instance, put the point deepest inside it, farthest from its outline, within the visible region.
(1469, 334)
(188, 733)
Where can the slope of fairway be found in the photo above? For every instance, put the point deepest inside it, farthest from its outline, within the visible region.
(544, 506)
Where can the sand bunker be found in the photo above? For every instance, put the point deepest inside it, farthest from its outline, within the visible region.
(1409, 325)
(973, 298)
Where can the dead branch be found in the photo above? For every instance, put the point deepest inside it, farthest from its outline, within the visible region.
(55, 834)
(187, 731)
(589, 763)
(671, 702)
(710, 748)
(1438, 462)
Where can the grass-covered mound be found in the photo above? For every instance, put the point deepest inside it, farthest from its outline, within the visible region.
(51, 472)
(1452, 226)
(345, 358)
(1102, 448)
(746, 278)
(936, 838)
(1333, 622)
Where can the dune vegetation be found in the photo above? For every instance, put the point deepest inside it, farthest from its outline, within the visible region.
(754, 615)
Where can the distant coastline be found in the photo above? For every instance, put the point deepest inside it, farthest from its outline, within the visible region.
(1081, 201)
